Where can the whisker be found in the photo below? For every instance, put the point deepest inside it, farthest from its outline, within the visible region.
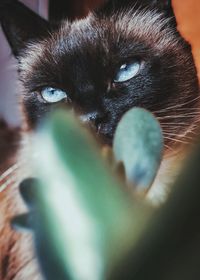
(9, 181)
(9, 176)
(9, 171)
(169, 148)
(175, 140)
(183, 109)
(178, 105)
(172, 124)
(178, 136)
(176, 116)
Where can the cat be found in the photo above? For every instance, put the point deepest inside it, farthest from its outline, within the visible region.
(124, 54)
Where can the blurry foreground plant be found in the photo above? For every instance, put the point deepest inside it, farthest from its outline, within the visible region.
(88, 226)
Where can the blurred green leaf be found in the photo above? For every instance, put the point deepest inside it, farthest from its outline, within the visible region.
(138, 143)
(84, 217)
(169, 248)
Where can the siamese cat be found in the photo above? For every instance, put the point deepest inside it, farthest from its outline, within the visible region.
(125, 54)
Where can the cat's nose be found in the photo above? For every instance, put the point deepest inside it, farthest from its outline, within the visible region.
(85, 118)
(93, 119)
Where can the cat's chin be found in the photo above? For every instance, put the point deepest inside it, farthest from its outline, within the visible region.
(106, 142)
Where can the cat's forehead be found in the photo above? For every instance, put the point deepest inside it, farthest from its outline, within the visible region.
(147, 26)
(99, 35)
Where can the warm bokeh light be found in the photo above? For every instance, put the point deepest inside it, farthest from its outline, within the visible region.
(188, 17)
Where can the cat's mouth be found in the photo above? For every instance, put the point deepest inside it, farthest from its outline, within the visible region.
(102, 135)
(100, 126)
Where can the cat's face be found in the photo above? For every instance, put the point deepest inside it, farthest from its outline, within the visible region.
(105, 64)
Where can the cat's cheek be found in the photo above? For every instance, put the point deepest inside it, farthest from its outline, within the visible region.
(34, 112)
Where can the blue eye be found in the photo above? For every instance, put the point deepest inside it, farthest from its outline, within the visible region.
(127, 71)
(53, 95)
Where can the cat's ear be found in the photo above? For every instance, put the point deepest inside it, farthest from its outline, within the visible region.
(20, 24)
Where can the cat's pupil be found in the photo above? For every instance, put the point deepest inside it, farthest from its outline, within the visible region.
(52, 92)
(53, 95)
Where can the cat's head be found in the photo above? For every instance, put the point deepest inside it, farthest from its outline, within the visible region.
(123, 55)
